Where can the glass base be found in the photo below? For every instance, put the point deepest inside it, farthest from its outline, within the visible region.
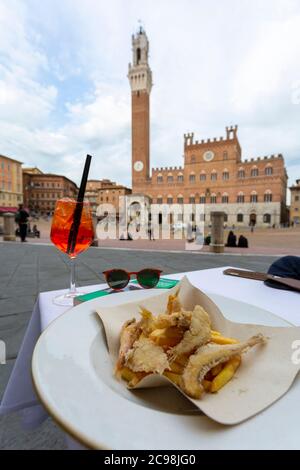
(67, 300)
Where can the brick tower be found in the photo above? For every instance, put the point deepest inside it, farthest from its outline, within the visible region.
(140, 79)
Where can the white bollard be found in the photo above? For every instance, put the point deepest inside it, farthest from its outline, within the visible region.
(9, 231)
(217, 232)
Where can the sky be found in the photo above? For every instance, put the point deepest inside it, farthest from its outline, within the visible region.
(64, 90)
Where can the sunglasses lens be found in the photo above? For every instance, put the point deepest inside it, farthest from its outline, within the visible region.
(148, 278)
(117, 279)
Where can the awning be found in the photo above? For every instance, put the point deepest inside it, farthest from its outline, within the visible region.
(7, 209)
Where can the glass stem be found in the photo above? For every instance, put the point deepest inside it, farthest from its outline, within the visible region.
(72, 279)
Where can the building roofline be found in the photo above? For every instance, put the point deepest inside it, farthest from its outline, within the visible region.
(114, 187)
(10, 158)
(53, 174)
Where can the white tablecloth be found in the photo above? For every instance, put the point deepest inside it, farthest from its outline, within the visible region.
(19, 393)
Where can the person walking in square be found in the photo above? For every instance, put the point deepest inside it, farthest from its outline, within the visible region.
(22, 219)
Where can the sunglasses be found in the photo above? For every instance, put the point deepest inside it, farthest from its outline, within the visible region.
(119, 278)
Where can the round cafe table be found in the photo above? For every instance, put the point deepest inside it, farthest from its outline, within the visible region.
(19, 394)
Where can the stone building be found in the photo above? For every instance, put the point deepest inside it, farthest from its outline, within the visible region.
(295, 203)
(11, 190)
(105, 192)
(41, 190)
(249, 191)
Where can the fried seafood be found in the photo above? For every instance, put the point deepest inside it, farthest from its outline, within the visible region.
(174, 304)
(130, 332)
(182, 346)
(209, 356)
(145, 356)
(199, 333)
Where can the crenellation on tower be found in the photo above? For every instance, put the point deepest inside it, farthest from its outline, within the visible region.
(188, 139)
(231, 132)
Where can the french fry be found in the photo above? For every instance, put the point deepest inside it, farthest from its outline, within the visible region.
(215, 333)
(166, 337)
(182, 359)
(216, 370)
(127, 374)
(157, 334)
(226, 374)
(206, 385)
(138, 376)
(176, 378)
(176, 368)
(148, 318)
(131, 377)
(219, 339)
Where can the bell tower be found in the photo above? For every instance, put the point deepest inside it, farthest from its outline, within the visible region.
(140, 79)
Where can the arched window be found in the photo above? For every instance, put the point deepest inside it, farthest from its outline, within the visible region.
(268, 196)
(269, 170)
(225, 217)
(240, 218)
(214, 175)
(192, 199)
(138, 55)
(192, 178)
(202, 176)
(160, 178)
(240, 198)
(159, 199)
(213, 199)
(202, 199)
(170, 178)
(253, 197)
(254, 171)
(225, 198)
(180, 199)
(193, 159)
(180, 178)
(170, 199)
(225, 155)
(225, 175)
(241, 173)
(267, 218)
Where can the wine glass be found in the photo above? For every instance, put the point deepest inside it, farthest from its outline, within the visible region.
(62, 225)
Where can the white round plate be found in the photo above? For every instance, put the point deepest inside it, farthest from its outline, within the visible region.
(72, 374)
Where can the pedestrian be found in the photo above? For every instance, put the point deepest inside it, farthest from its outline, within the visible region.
(21, 219)
(36, 231)
(243, 242)
(150, 231)
(231, 240)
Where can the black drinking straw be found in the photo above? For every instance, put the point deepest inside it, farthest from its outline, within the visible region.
(78, 208)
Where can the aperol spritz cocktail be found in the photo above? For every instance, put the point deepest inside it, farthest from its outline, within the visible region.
(62, 223)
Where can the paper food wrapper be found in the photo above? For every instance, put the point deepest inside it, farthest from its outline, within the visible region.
(265, 374)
